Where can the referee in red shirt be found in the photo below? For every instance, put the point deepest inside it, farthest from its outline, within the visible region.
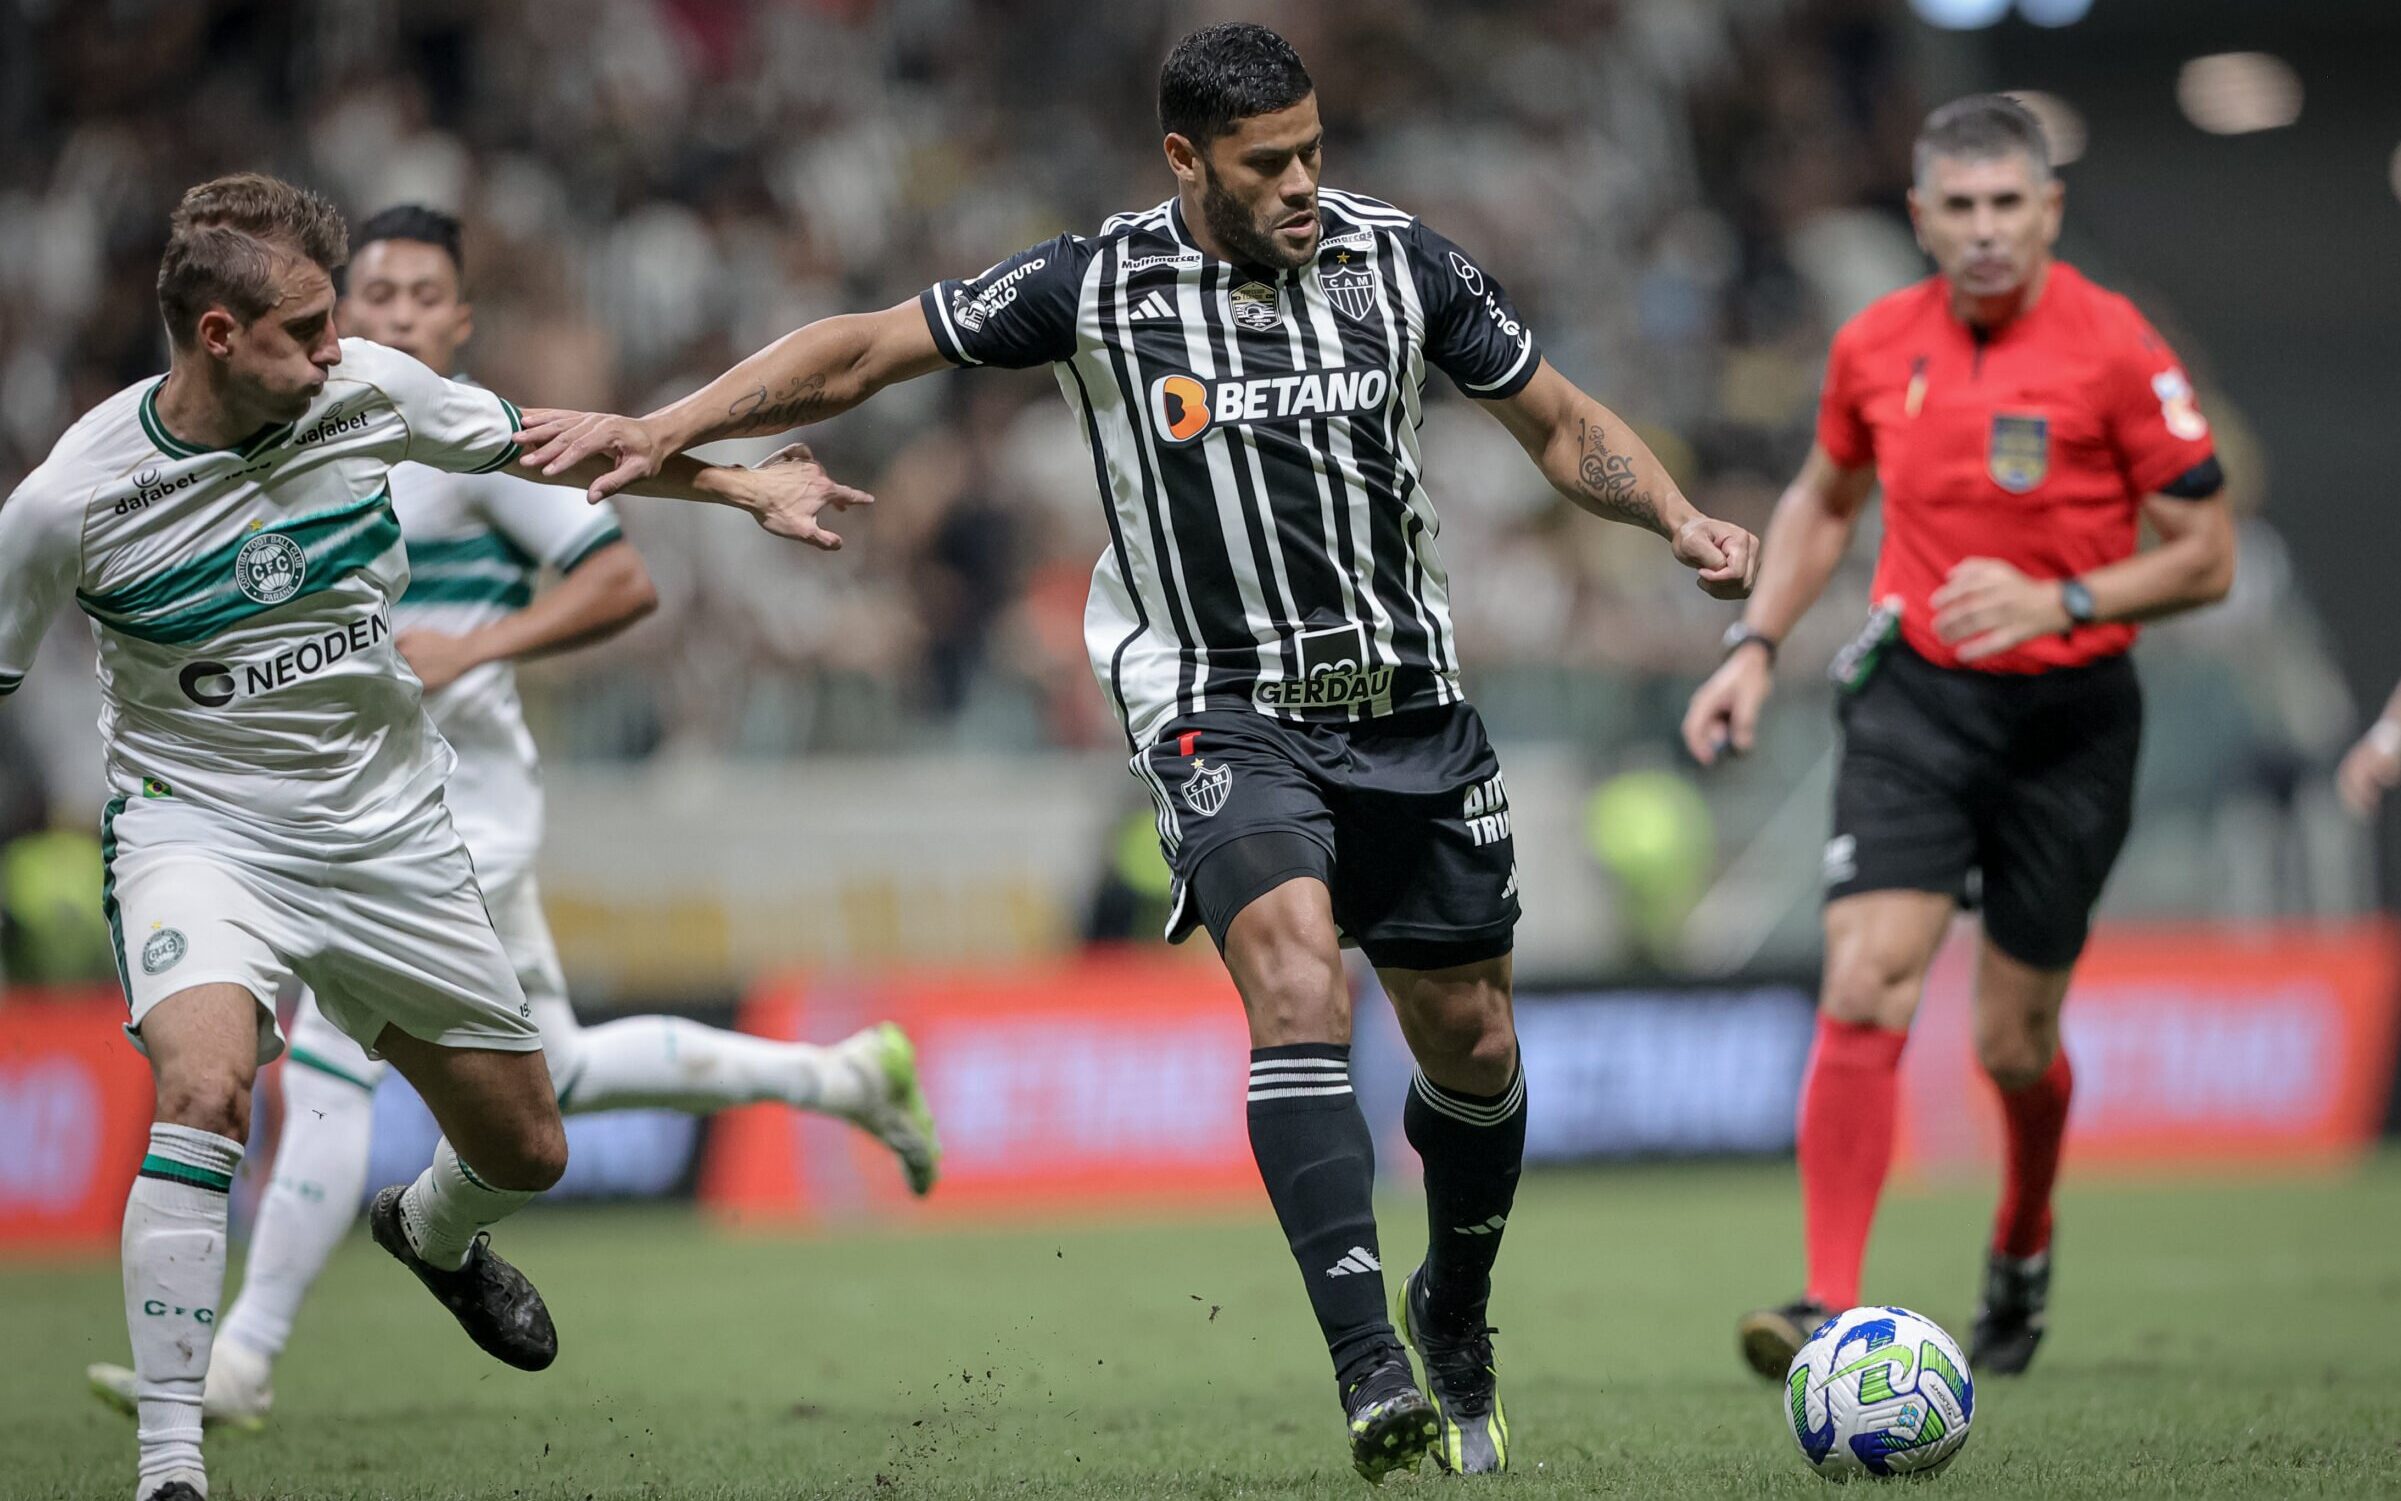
(2024, 425)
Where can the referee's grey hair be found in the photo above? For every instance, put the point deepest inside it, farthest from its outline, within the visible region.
(1981, 127)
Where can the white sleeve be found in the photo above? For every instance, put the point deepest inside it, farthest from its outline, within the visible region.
(552, 524)
(41, 552)
(452, 425)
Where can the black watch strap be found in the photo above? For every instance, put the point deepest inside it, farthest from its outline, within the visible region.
(1741, 634)
(2077, 600)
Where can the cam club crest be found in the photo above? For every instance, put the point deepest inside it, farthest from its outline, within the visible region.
(269, 568)
(1352, 289)
(1207, 788)
(2018, 454)
(1254, 304)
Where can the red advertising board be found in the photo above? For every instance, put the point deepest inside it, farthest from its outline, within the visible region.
(75, 1104)
(1105, 1083)
(2199, 1046)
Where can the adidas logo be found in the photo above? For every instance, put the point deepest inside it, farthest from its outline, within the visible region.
(1358, 1259)
(1154, 306)
(1493, 1226)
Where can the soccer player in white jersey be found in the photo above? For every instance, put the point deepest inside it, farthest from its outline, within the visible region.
(278, 789)
(1248, 362)
(475, 543)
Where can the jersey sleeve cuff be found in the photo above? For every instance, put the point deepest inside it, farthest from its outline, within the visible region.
(946, 334)
(508, 445)
(1512, 380)
(582, 553)
(10, 682)
(2154, 478)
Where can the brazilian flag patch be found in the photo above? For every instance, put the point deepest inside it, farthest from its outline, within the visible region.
(153, 787)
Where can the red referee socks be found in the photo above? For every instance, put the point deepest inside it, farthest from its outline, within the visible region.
(1848, 1101)
(2037, 1118)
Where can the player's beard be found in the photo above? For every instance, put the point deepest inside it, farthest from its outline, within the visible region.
(1241, 233)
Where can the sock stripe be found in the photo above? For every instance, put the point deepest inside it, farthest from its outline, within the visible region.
(1298, 1093)
(306, 1059)
(1276, 1066)
(1466, 1112)
(168, 1169)
(468, 1173)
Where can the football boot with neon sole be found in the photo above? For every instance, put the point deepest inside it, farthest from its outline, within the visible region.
(1461, 1379)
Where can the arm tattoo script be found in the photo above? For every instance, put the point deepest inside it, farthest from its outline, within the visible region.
(1608, 478)
(799, 403)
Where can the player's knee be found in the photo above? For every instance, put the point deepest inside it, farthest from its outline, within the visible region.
(2017, 1058)
(1473, 1044)
(534, 1160)
(1869, 988)
(208, 1097)
(1295, 994)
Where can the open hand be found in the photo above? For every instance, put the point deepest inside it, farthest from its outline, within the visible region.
(1985, 607)
(795, 489)
(556, 440)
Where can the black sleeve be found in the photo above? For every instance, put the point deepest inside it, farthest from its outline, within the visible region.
(1473, 333)
(1019, 313)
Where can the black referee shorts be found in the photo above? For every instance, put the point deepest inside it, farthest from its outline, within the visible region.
(1403, 817)
(2024, 783)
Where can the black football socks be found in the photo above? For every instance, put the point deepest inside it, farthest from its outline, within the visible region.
(1319, 1164)
(1474, 1147)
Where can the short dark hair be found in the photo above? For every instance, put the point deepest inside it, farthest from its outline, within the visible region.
(1224, 73)
(1979, 128)
(416, 221)
(224, 241)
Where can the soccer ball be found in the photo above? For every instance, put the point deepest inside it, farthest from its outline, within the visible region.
(1879, 1392)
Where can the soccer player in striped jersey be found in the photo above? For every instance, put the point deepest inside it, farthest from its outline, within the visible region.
(475, 543)
(278, 807)
(1272, 623)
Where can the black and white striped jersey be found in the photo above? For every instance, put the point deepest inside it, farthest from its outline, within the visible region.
(1254, 433)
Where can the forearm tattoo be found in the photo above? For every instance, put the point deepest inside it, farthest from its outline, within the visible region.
(801, 401)
(1608, 478)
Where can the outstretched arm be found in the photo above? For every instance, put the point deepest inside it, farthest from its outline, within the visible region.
(1591, 456)
(806, 376)
(1806, 539)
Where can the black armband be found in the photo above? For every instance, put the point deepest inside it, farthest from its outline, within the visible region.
(2200, 482)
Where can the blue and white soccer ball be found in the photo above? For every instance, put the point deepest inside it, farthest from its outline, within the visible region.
(1879, 1392)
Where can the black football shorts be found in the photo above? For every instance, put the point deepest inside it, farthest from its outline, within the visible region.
(1404, 818)
(2009, 791)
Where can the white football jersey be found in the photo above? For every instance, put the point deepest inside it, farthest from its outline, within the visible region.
(475, 544)
(242, 597)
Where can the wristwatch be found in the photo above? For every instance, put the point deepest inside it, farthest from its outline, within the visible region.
(1742, 633)
(2077, 601)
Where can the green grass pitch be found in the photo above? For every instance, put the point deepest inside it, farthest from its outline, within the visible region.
(2235, 1338)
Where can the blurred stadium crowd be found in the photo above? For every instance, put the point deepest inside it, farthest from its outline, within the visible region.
(1685, 196)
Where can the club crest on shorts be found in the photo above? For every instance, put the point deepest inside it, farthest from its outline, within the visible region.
(1205, 791)
(161, 953)
(1254, 304)
(1352, 289)
(2019, 452)
(269, 568)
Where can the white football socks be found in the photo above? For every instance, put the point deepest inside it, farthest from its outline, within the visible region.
(174, 1261)
(441, 1212)
(320, 1172)
(672, 1063)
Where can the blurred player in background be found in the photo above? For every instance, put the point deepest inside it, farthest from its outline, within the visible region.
(2024, 424)
(1272, 625)
(475, 544)
(278, 810)
(2372, 767)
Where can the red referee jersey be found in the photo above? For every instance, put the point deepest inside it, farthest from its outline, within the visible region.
(2034, 445)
